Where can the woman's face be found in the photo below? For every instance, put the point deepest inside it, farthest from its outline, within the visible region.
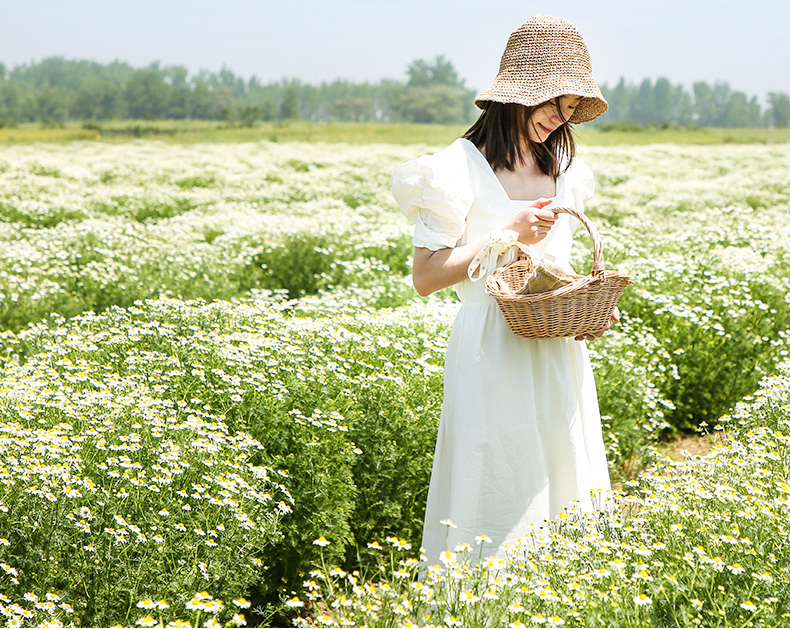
(550, 115)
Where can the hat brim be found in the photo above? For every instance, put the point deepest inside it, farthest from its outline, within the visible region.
(508, 89)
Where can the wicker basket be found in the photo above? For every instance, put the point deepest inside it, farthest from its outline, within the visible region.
(584, 306)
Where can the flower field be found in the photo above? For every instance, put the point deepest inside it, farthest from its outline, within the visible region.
(213, 358)
(701, 542)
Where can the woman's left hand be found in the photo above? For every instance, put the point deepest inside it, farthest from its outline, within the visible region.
(590, 337)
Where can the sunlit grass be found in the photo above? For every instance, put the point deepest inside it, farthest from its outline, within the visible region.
(191, 131)
(195, 131)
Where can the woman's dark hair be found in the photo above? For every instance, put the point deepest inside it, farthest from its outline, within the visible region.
(499, 131)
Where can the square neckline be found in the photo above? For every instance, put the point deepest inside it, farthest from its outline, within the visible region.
(480, 157)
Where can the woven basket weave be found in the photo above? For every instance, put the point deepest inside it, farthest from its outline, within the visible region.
(584, 306)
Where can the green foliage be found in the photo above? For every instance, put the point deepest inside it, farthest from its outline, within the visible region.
(249, 115)
(309, 263)
(146, 94)
(434, 135)
(779, 109)
(115, 491)
(14, 214)
(435, 95)
(56, 90)
(198, 181)
(696, 543)
(714, 307)
(722, 343)
(344, 406)
(630, 368)
(662, 103)
(440, 72)
(436, 104)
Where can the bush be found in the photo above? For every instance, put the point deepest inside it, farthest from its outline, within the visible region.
(114, 493)
(309, 263)
(699, 542)
(631, 367)
(344, 406)
(723, 331)
(88, 227)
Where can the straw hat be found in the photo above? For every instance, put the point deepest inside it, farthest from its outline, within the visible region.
(546, 57)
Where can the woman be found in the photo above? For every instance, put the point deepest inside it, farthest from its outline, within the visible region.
(520, 433)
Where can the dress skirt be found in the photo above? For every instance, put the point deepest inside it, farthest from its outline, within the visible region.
(519, 436)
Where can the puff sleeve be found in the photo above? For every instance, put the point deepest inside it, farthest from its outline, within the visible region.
(435, 192)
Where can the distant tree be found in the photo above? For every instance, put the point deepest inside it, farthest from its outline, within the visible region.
(290, 105)
(440, 72)
(56, 72)
(663, 101)
(704, 104)
(96, 99)
(736, 111)
(179, 102)
(199, 99)
(9, 99)
(265, 96)
(179, 92)
(176, 76)
(268, 109)
(779, 109)
(10, 103)
(619, 100)
(710, 103)
(309, 102)
(146, 94)
(387, 98)
(352, 109)
(435, 94)
(248, 115)
(118, 72)
(210, 103)
(642, 110)
(51, 105)
(684, 108)
(235, 84)
(57, 89)
(437, 104)
(741, 111)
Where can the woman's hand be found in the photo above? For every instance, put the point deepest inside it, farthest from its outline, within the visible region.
(590, 337)
(533, 223)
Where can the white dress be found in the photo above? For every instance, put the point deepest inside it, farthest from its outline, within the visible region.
(520, 431)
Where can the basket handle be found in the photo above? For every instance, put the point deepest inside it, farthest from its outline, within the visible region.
(598, 265)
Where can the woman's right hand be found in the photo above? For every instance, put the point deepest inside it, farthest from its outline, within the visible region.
(533, 223)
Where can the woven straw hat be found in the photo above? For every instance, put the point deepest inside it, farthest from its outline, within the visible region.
(546, 57)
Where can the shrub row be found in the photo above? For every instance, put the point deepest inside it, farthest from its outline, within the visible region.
(699, 542)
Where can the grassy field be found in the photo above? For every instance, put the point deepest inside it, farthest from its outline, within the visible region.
(193, 131)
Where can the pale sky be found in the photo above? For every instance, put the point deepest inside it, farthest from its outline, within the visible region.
(742, 42)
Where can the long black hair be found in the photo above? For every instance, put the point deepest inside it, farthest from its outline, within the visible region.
(499, 133)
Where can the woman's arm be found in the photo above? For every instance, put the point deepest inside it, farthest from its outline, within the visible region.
(434, 270)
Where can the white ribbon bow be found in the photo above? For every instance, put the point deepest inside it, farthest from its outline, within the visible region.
(499, 242)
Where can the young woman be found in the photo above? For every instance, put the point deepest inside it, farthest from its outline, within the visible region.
(520, 433)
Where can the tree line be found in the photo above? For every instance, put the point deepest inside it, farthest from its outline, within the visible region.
(57, 90)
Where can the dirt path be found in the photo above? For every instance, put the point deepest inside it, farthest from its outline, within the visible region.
(692, 444)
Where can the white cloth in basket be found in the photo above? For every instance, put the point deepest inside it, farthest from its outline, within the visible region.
(520, 432)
